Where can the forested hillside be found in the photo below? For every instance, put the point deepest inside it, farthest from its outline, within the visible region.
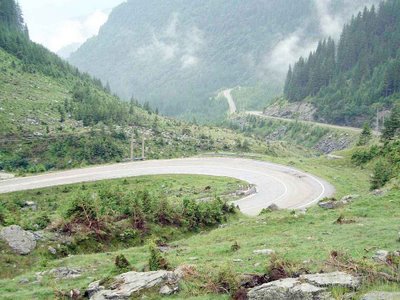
(54, 117)
(350, 81)
(177, 54)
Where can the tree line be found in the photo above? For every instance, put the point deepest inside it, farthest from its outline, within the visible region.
(351, 80)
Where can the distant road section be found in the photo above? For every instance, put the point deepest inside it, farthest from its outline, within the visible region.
(284, 186)
(232, 105)
(233, 109)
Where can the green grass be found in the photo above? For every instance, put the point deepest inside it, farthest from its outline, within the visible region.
(296, 238)
(53, 203)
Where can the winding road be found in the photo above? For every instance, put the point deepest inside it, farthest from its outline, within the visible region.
(286, 187)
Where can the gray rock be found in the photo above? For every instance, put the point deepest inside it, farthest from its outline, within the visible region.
(328, 204)
(377, 192)
(52, 250)
(264, 251)
(93, 288)
(64, 273)
(126, 285)
(29, 205)
(21, 242)
(250, 191)
(381, 296)
(23, 280)
(381, 256)
(273, 207)
(166, 290)
(306, 287)
(349, 198)
(333, 279)
(288, 289)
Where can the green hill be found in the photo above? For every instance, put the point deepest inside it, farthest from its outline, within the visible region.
(350, 81)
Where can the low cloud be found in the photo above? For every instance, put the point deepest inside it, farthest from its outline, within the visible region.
(287, 51)
(176, 44)
(77, 31)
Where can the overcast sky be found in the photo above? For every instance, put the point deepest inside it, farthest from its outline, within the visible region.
(59, 23)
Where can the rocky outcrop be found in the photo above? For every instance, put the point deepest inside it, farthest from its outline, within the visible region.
(20, 241)
(306, 287)
(333, 203)
(126, 285)
(333, 143)
(302, 110)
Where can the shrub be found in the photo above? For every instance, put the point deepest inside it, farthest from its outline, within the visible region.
(121, 263)
(227, 281)
(156, 260)
(382, 173)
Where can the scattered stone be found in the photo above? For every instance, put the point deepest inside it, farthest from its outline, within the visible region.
(381, 296)
(124, 286)
(75, 294)
(264, 252)
(166, 290)
(377, 192)
(52, 250)
(237, 260)
(332, 203)
(257, 265)
(273, 207)
(348, 198)
(21, 242)
(250, 191)
(64, 273)
(381, 256)
(312, 287)
(29, 205)
(23, 280)
(329, 204)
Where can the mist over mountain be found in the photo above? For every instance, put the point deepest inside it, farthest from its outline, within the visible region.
(178, 54)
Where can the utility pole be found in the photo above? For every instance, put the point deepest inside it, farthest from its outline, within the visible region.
(377, 119)
(132, 147)
(143, 148)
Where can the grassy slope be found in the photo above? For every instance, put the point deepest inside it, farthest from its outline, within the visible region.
(30, 125)
(298, 238)
(54, 201)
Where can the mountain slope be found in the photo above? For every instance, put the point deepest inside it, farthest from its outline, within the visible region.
(53, 117)
(350, 82)
(178, 54)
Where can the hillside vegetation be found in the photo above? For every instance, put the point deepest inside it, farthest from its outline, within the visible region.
(54, 117)
(350, 81)
(178, 55)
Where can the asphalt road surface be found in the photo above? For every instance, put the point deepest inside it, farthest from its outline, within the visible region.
(284, 186)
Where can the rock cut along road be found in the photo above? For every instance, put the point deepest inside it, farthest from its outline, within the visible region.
(284, 186)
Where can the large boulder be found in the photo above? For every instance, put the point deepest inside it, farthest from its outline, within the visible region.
(332, 279)
(20, 241)
(288, 289)
(306, 287)
(126, 285)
